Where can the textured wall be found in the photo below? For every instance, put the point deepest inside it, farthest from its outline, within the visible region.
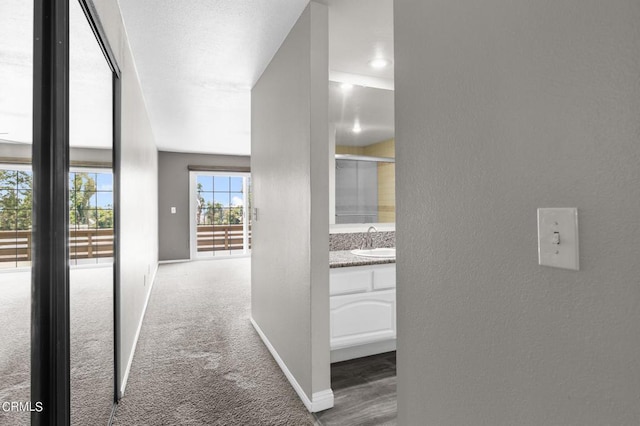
(139, 192)
(503, 107)
(289, 166)
(173, 191)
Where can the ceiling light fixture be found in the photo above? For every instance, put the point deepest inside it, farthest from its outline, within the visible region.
(346, 86)
(379, 63)
(357, 128)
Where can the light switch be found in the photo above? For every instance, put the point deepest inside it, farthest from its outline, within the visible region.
(558, 238)
(173, 210)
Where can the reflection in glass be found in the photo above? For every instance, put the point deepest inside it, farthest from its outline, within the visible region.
(356, 191)
(104, 182)
(91, 227)
(16, 74)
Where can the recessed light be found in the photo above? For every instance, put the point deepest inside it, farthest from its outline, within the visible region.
(379, 63)
(356, 128)
(346, 86)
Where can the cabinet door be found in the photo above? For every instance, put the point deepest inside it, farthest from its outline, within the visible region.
(349, 280)
(384, 277)
(362, 318)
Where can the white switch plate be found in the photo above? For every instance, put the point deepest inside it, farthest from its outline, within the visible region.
(558, 238)
(173, 210)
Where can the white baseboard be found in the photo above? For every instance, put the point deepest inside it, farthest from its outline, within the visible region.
(123, 385)
(162, 262)
(319, 400)
(351, 352)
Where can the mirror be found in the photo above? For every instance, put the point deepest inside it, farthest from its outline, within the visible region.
(91, 236)
(364, 190)
(363, 170)
(16, 177)
(91, 287)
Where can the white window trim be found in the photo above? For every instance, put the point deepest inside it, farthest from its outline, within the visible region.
(193, 240)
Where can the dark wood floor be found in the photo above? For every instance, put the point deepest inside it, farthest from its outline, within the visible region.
(364, 391)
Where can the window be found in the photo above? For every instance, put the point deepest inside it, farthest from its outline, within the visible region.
(221, 224)
(90, 216)
(15, 216)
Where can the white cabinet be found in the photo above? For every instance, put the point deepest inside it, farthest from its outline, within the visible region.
(362, 305)
(362, 318)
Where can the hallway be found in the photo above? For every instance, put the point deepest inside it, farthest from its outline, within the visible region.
(199, 360)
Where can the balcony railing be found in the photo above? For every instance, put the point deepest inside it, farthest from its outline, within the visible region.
(221, 237)
(15, 246)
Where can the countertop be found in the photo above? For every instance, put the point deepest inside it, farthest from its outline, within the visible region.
(344, 258)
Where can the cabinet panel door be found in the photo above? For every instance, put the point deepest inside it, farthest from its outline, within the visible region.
(362, 318)
(349, 280)
(384, 277)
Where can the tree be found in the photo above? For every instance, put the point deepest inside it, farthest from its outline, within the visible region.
(201, 206)
(235, 215)
(101, 217)
(83, 187)
(214, 214)
(15, 199)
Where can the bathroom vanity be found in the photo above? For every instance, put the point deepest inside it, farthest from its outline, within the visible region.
(362, 305)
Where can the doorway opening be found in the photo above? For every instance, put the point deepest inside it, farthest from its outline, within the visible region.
(220, 214)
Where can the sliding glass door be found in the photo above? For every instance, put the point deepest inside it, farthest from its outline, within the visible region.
(59, 106)
(220, 214)
(91, 241)
(16, 179)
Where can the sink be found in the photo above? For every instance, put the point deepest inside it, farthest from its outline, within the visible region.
(377, 252)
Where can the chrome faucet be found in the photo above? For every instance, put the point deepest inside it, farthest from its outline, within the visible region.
(368, 239)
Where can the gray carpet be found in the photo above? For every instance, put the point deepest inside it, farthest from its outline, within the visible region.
(199, 361)
(91, 344)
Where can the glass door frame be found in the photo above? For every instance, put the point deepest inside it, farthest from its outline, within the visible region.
(50, 337)
(193, 205)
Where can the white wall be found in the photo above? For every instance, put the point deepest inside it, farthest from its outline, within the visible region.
(290, 242)
(503, 107)
(139, 192)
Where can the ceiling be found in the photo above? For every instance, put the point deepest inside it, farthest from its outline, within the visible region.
(360, 30)
(198, 60)
(371, 108)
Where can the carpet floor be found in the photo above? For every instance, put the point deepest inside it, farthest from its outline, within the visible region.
(199, 361)
(91, 315)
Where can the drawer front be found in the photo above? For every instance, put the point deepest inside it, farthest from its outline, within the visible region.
(345, 281)
(362, 318)
(384, 277)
